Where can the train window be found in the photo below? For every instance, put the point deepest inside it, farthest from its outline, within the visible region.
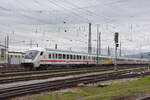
(64, 57)
(50, 56)
(80, 57)
(83, 57)
(41, 53)
(56, 55)
(93, 58)
(67, 56)
(71, 57)
(59, 56)
(74, 57)
(77, 56)
(88, 57)
(53, 55)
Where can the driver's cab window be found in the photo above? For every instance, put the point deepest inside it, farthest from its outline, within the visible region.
(41, 53)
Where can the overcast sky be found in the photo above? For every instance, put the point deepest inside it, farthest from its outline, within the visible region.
(43, 21)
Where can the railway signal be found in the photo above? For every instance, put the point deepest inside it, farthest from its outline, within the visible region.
(116, 39)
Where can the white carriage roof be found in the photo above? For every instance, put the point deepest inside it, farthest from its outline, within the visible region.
(64, 51)
(83, 53)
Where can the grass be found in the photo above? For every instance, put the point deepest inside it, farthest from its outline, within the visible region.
(129, 88)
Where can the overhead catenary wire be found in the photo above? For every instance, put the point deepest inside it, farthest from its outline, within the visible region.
(83, 11)
(75, 11)
(65, 8)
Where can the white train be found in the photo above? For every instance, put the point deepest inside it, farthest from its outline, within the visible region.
(46, 57)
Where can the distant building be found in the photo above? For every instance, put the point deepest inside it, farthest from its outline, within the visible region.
(15, 57)
(3, 54)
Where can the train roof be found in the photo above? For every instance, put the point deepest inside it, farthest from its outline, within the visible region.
(83, 53)
(65, 51)
(38, 49)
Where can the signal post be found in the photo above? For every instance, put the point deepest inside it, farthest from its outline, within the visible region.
(116, 39)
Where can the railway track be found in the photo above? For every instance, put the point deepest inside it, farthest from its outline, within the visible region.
(49, 74)
(145, 98)
(18, 68)
(50, 71)
(6, 93)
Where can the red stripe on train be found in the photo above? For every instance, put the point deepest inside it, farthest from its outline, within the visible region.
(52, 60)
(82, 61)
(63, 61)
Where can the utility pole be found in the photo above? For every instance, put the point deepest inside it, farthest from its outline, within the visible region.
(31, 44)
(116, 45)
(37, 45)
(120, 49)
(108, 51)
(99, 43)
(7, 49)
(89, 40)
(97, 51)
(56, 46)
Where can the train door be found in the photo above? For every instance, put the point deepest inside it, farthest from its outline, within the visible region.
(39, 59)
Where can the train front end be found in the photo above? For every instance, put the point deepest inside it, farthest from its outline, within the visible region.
(31, 59)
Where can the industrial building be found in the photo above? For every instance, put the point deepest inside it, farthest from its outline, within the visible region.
(3, 54)
(10, 57)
